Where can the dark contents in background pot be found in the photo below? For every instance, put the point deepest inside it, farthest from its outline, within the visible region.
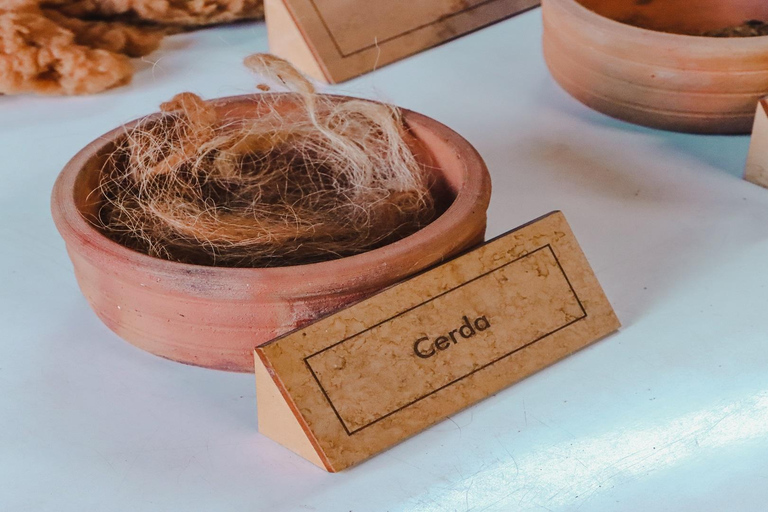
(751, 28)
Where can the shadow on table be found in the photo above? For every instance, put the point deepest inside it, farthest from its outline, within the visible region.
(656, 228)
(715, 151)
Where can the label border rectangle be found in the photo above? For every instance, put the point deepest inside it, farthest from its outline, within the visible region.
(343, 55)
(496, 360)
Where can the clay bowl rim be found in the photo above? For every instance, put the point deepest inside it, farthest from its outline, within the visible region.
(472, 197)
(588, 15)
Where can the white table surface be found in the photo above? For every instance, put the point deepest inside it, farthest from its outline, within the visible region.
(669, 414)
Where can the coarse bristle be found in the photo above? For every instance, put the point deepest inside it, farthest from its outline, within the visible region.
(331, 179)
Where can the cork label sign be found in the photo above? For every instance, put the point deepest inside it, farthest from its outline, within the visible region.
(757, 161)
(487, 323)
(365, 378)
(335, 40)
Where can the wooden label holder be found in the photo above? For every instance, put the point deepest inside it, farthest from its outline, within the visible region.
(367, 377)
(757, 162)
(335, 40)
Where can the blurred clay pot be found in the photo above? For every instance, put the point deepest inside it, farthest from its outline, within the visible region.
(636, 60)
(215, 316)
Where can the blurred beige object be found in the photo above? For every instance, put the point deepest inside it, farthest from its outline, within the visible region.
(69, 47)
(168, 12)
(757, 162)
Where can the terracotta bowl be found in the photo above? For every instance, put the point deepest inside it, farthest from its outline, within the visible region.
(636, 60)
(214, 317)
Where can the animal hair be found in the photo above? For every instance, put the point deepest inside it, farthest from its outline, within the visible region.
(323, 179)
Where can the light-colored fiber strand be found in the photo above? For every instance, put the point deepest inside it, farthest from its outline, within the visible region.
(325, 179)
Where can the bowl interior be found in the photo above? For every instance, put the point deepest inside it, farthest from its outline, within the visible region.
(691, 17)
(447, 177)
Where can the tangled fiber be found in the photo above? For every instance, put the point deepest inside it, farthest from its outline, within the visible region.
(323, 179)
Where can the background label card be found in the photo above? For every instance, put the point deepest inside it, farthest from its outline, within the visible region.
(757, 161)
(369, 376)
(335, 40)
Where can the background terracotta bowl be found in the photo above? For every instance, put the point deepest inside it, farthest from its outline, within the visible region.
(634, 60)
(214, 317)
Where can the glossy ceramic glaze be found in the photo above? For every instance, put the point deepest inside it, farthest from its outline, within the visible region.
(637, 60)
(213, 317)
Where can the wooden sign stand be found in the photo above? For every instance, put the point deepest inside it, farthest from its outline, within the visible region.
(335, 40)
(367, 377)
(757, 162)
